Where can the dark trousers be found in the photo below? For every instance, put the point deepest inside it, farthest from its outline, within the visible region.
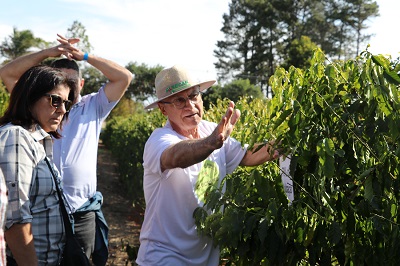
(85, 230)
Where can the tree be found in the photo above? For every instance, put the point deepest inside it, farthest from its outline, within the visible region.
(20, 43)
(361, 12)
(126, 107)
(299, 53)
(252, 40)
(259, 34)
(349, 18)
(77, 30)
(142, 86)
(94, 79)
(232, 91)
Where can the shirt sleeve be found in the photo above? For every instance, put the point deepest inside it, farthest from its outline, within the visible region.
(104, 106)
(17, 163)
(234, 153)
(159, 140)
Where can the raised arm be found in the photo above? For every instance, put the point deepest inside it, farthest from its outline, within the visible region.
(189, 152)
(119, 77)
(12, 71)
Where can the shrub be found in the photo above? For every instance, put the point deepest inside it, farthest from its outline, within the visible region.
(126, 137)
(339, 121)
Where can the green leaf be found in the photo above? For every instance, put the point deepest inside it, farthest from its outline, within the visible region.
(262, 230)
(369, 193)
(392, 75)
(335, 233)
(299, 235)
(393, 209)
(250, 225)
(366, 173)
(326, 151)
(282, 118)
(385, 63)
(330, 71)
(381, 61)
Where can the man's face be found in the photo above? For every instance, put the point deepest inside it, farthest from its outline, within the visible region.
(184, 110)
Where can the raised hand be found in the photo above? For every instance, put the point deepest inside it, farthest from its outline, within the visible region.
(67, 49)
(227, 124)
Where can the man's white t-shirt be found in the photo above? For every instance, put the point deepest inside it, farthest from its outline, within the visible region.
(169, 235)
(75, 154)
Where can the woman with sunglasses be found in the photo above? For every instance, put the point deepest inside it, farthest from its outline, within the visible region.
(34, 226)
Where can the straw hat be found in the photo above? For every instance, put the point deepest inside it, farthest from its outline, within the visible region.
(172, 80)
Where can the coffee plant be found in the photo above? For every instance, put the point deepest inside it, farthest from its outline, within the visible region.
(339, 121)
(4, 98)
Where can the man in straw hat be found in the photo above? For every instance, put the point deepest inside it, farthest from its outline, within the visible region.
(180, 160)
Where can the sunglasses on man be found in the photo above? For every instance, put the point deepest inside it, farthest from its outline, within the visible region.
(56, 101)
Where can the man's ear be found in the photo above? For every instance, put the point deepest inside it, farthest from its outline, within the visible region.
(82, 82)
(162, 108)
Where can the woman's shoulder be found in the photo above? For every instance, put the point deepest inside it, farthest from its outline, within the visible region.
(12, 128)
(11, 133)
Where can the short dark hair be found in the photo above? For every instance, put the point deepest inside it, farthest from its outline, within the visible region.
(68, 64)
(31, 86)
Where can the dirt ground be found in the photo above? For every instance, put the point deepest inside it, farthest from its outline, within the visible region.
(124, 220)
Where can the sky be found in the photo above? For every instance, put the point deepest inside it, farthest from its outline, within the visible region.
(157, 32)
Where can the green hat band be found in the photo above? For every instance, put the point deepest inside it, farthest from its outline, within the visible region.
(177, 87)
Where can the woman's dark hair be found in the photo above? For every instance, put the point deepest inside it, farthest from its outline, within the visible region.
(31, 86)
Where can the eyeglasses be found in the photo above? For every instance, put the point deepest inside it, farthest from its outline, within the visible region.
(180, 102)
(56, 101)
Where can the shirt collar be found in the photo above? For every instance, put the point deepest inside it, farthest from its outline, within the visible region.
(38, 133)
(79, 102)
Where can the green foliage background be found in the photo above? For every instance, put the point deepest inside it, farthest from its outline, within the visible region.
(339, 121)
(4, 97)
(126, 137)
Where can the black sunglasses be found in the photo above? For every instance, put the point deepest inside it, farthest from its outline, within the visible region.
(56, 101)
